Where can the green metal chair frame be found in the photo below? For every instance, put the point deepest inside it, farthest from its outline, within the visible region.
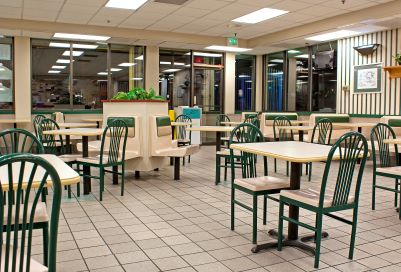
(116, 131)
(182, 133)
(323, 129)
(351, 147)
(222, 118)
(379, 133)
(17, 140)
(21, 237)
(248, 133)
(36, 123)
(281, 135)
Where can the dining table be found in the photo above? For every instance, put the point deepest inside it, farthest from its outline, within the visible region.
(231, 123)
(68, 176)
(93, 120)
(15, 122)
(353, 126)
(300, 129)
(218, 129)
(77, 125)
(297, 153)
(85, 133)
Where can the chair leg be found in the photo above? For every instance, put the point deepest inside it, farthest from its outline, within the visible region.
(319, 222)
(288, 167)
(280, 227)
(275, 165)
(225, 168)
(310, 171)
(255, 219)
(306, 168)
(45, 233)
(183, 161)
(399, 207)
(374, 192)
(217, 170)
(232, 206)
(78, 189)
(101, 181)
(69, 191)
(396, 193)
(264, 210)
(189, 159)
(353, 234)
(123, 179)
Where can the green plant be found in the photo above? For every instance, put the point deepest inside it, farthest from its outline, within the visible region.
(397, 58)
(138, 94)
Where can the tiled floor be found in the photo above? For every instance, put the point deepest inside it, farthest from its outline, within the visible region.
(166, 225)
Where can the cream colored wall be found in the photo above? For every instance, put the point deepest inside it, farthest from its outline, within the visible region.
(229, 83)
(259, 83)
(152, 68)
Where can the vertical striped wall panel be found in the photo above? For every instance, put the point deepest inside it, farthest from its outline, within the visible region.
(388, 102)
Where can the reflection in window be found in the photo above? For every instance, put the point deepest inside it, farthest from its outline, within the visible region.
(244, 82)
(274, 100)
(6, 73)
(298, 80)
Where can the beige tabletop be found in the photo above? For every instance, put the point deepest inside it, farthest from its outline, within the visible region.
(77, 125)
(67, 175)
(76, 132)
(231, 123)
(93, 120)
(13, 121)
(297, 128)
(211, 129)
(300, 152)
(180, 124)
(353, 125)
(392, 141)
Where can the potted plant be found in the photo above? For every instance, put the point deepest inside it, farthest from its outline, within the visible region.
(397, 58)
(138, 94)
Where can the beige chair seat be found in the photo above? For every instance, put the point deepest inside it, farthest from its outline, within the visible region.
(182, 151)
(311, 196)
(263, 183)
(93, 146)
(34, 265)
(40, 213)
(226, 139)
(94, 159)
(70, 157)
(395, 170)
(226, 152)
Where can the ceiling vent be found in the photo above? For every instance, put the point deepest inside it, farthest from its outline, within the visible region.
(172, 2)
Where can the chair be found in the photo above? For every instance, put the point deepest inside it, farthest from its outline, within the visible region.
(383, 165)
(249, 182)
(182, 137)
(112, 153)
(322, 130)
(36, 122)
(27, 176)
(348, 150)
(19, 141)
(53, 144)
(281, 135)
(219, 120)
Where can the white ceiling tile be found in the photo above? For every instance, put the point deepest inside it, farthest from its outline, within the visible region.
(97, 3)
(155, 7)
(39, 14)
(73, 18)
(10, 12)
(291, 5)
(260, 3)
(191, 12)
(110, 17)
(207, 4)
(10, 3)
(321, 10)
(47, 5)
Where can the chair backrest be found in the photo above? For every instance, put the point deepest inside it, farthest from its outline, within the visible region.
(281, 134)
(36, 122)
(117, 132)
(322, 130)
(246, 133)
(181, 130)
(253, 120)
(19, 173)
(19, 141)
(52, 144)
(247, 114)
(129, 121)
(350, 148)
(222, 118)
(58, 117)
(381, 155)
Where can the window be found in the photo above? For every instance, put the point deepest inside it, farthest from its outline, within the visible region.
(298, 79)
(274, 84)
(56, 84)
(6, 73)
(244, 82)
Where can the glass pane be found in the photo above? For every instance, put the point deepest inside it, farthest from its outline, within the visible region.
(90, 76)
(127, 68)
(175, 76)
(298, 77)
(6, 73)
(208, 58)
(274, 100)
(244, 86)
(324, 77)
(208, 88)
(50, 75)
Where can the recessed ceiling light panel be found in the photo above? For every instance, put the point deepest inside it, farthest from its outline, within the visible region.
(74, 53)
(127, 64)
(81, 37)
(204, 54)
(333, 35)
(58, 67)
(63, 61)
(54, 72)
(227, 48)
(75, 45)
(260, 15)
(125, 4)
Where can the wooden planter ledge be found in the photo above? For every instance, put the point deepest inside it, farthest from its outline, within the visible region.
(394, 71)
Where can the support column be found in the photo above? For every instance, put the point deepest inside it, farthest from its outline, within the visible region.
(229, 83)
(259, 83)
(152, 68)
(22, 77)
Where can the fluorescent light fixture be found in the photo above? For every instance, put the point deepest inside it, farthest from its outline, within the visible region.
(54, 72)
(63, 61)
(333, 35)
(293, 51)
(127, 64)
(271, 65)
(102, 73)
(81, 37)
(137, 78)
(125, 4)
(171, 70)
(277, 60)
(260, 15)
(75, 45)
(179, 64)
(248, 81)
(204, 54)
(242, 76)
(115, 69)
(102, 80)
(139, 58)
(165, 63)
(58, 67)
(74, 53)
(303, 56)
(227, 48)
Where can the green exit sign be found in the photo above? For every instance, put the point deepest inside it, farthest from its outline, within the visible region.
(233, 41)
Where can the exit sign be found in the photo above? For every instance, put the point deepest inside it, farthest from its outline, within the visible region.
(232, 41)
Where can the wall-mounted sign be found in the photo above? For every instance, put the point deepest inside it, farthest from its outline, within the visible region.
(368, 78)
(232, 41)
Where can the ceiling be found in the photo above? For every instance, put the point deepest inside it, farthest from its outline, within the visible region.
(196, 17)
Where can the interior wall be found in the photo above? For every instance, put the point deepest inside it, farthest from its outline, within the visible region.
(152, 68)
(229, 84)
(259, 83)
(388, 101)
(22, 76)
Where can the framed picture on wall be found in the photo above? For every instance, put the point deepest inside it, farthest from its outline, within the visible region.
(368, 78)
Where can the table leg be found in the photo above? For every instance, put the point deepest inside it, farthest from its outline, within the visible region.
(115, 175)
(172, 137)
(360, 131)
(301, 135)
(86, 169)
(15, 125)
(98, 126)
(218, 140)
(68, 144)
(177, 168)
